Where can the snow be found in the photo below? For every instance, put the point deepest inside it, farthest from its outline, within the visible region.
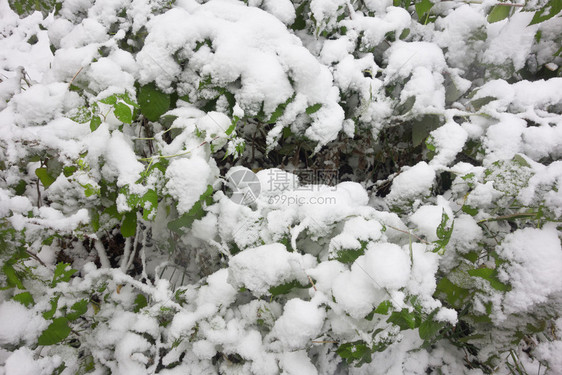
(299, 325)
(412, 183)
(356, 63)
(18, 323)
(121, 161)
(535, 261)
(188, 178)
(263, 267)
(403, 58)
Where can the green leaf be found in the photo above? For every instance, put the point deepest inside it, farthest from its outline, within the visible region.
(63, 273)
(355, 351)
(111, 100)
(128, 100)
(313, 108)
(551, 8)
(129, 225)
(498, 13)
(285, 288)
(406, 106)
(429, 328)
(423, 7)
(403, 319)
(78, 309)
(422, 127)
(153, 102)
(195, 213)
(383, 307)
(152, 197)
(454, 295)
(280, 110)
(57, 331)
(349, 255)
(94, 219)
(491, 275)
(20, 187)
(50, 313)
(443, 233)
(95, 123)
(69, 171)
(470, 210)
(140, 302)
(24, 298)
(123, 113)
(44, 176)
(481, 102)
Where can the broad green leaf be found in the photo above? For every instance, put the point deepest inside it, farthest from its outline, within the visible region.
(123, 113)
(349, 255)
(63, 273)
(491, 275)
(57, 331)
(429, 328)
(78, 309)
(285, 288)
(470, 210)
(24, 298)
(140, 302)
(355, 351)
(422, 127)
(69, 171)
(498, 13)
(128, 100)
(153, 102)
(423, 7)
(44, 176)
(551, 8)
(383, 307)
(95, 123)
(481, 102)
(20, 187)
(403, 319)
(111, 100)
(12, 277)
(406, 106)
(454, 295)
(313, 108)
(129, 225)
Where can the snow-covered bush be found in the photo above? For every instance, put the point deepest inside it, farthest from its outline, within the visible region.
(274, 186)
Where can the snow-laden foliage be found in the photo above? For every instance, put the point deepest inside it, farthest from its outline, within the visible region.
(397, 207)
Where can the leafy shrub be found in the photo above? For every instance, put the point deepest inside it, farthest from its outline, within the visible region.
(407, 157)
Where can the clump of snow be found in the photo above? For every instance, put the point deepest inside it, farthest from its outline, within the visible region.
(18, 324)
(534, 262)
(412, 183)
(300, 323)
(263, 267)
(188, 178)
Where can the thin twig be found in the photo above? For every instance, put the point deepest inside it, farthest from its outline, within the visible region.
(324, 342)
(36, 257)
(312, 282)
(411, 234)
(78, 72)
